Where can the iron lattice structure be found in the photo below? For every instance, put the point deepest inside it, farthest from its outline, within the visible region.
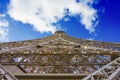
(60, 55)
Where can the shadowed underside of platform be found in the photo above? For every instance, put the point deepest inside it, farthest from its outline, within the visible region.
(58, 54)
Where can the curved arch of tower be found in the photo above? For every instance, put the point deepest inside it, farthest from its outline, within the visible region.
(59, 56)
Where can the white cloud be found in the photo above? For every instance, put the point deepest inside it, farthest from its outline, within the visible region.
(42, 13)
(66, 19)
(3, 28)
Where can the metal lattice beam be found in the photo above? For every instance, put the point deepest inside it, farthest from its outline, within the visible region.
(107, 72)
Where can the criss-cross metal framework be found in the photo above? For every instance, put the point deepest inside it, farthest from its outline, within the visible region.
(57, 54)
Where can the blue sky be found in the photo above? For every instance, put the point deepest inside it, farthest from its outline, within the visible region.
(87, 19)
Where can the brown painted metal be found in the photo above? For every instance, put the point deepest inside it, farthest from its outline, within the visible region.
(58, 53)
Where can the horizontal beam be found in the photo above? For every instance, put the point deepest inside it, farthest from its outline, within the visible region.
(60, 53)
(50, 76)
(39, 64)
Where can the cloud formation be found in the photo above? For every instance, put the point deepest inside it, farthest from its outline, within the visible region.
(41, 14)
(3, 28)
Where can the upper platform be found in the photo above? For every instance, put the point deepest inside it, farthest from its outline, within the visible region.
(60, 32)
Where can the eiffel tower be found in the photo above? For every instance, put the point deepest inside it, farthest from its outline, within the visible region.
(59, 57)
